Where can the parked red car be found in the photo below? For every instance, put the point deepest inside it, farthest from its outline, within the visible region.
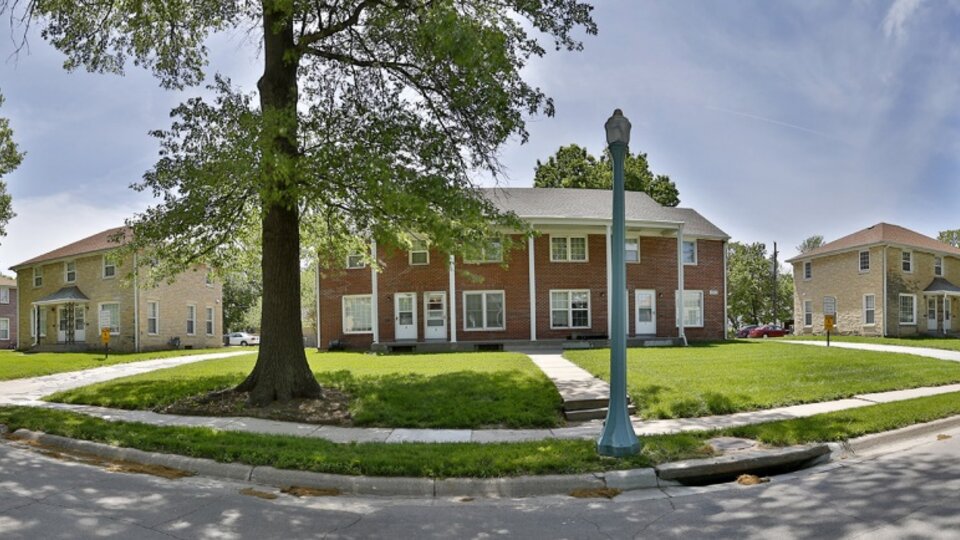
(768, 330)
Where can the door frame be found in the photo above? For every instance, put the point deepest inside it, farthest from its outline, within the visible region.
(636, 309)
(426, 315)
(932, 322)
(947, 315)
(396, 316)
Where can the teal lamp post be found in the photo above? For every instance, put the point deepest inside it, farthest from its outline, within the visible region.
(618, 438)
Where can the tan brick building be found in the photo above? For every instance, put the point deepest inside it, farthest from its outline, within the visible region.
(884, 280)
(553, 287)
(67, 295)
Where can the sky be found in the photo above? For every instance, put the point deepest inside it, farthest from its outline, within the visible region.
(777, 120)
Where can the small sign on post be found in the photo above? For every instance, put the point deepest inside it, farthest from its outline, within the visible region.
(828, 324)
(105, 324)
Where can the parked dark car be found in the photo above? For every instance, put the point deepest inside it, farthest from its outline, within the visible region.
(744, 331)
(768, 330)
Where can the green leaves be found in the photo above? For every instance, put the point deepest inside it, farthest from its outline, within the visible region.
(10, 159)
(750, 285)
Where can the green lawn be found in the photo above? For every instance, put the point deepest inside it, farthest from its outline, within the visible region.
(948, 343)
(464, 390)
(17, 365)
(722, 378)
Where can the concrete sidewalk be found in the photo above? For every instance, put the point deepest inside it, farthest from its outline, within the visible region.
(939, 354)
(572, 381)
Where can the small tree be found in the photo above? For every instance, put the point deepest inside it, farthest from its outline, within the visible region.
(10, 159)
(951, 236)
(810, 244)
(750, 286)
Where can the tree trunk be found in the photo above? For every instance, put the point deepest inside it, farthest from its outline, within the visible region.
(281, 372)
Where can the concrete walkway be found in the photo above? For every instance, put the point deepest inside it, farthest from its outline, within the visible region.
(939, 354)
(28, 392)
(572, 381)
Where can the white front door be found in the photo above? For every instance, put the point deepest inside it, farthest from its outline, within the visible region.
(68, 317)
(435, 315)
(646, 312)
(62, 324)
(932, 313)
(405, 316)
(947, 314)
(79, 324)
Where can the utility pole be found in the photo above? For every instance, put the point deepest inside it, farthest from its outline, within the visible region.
(775, 291)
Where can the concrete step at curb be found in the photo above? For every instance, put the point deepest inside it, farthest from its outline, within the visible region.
(579, 415)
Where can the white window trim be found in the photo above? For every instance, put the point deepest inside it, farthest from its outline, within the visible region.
(359, 266)
(860, 261)
(914, 321)
(485, 327)
(483, 255)
(805, 302)
(637, 240)
(910, 252)
(37, 273)
(99, 322)
(570, 309)
(192, 319)
(33, 322)
(7, 320)
(157, 318)
(696, 255)
(942, 268)
(864, 315)
(343, 314)
(426, 250)
(681, 310)
(586, 248)
(103, 269)
(807, 264)
(209, 318)
(4, 295)
(66, 272)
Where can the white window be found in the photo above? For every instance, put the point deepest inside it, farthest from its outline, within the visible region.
(37, 276)
(355, 260)
(570, 309)
(153, 318)
(938, 266)
(692, 308)
(70, 272)
(568, 248)
(483, 310)
(632, 250)
(830, 307)
(209, 321)
(491, 253)
(807, 270)
(191, 320)
(865, 261)
(109, 267)
(33, 323)
(689, 252)
(4, 295)
(908, 309)
(419, 253)
(110, 317)
(358, 314)
(808, 313)
(906, 261)
(869, 309)
(4, 329)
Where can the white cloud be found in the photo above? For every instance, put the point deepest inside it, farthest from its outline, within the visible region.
(46, 223)
(897, 17)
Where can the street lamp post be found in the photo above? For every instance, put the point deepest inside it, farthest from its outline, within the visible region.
(618, 438)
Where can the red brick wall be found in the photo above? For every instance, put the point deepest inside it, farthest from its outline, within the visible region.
(9, 311)
(656, 270)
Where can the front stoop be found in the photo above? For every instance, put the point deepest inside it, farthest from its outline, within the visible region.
(590, 409)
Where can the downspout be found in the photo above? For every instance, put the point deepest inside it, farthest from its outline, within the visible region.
(19, 325)
(317, 297)
(886, 316)
(532, 274)
(136, 305)
(724, 245)
(453, 300)
(678, 301)
(374, 293)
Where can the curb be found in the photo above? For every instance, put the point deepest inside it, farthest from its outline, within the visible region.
(511, 487)
(866, 443)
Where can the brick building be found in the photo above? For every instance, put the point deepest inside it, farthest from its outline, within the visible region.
(67, 295)
(8, 313)
(554, 286)
(884, 280)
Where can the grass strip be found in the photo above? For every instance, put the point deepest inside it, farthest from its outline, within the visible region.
(945, 343)
(18, 365)
(439, 460)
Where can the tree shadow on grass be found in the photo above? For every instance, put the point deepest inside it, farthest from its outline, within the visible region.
(461, 400)
(145, 394)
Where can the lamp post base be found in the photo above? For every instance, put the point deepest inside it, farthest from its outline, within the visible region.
(618, 449)
(618, 439)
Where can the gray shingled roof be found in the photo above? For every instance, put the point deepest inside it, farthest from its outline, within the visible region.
(63, 296)
(543, 203)
(940, 285)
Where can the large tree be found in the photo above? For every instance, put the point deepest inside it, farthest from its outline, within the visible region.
(751, 287)
(574, 167)
(10, 159)
(370, 118)
(950, 236)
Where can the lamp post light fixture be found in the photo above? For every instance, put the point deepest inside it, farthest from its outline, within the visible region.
(618, 438)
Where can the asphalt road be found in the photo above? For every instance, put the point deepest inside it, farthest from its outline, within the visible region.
(913, 491)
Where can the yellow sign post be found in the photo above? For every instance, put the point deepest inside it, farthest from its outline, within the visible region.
(828, 324)
(105, 338)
